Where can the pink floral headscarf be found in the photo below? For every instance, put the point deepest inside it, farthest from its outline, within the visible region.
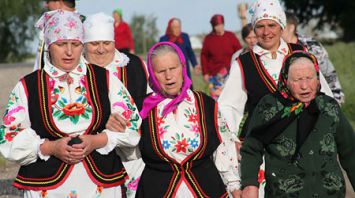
(154, 99)
(60, 25)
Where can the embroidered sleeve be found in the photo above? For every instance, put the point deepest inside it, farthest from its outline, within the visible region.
(233, 98)
(123, 104)
(18, 142)
(225, 156)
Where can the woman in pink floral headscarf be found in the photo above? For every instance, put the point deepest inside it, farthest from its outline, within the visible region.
(54, 125)
(181, 131)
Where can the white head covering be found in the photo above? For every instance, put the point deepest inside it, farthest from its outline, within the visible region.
(99, 27)
(268, 9)
(60, 25)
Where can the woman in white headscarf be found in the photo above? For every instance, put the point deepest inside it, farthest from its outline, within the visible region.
(54, 125)
(99, 49)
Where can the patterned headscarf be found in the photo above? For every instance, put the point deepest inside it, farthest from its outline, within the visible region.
(60, 25)
(288, 61)
(154, 99)
(268, 9)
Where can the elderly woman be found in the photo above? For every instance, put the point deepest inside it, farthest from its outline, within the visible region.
(54, 125)
(174, 34)
(99, 49)
(301, 132)
(185, 143)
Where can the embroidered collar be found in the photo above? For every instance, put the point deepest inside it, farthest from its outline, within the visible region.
(283, 49)
(190, 98)
(120, 60)
(55, 72)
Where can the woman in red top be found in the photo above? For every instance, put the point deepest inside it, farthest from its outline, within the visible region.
(123, 36)
(217, 50)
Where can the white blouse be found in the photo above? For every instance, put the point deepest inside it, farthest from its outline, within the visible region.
(234, 95)
(179, 135)
(20, 143)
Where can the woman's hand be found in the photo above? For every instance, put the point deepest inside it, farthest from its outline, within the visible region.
(90, 143)
(60, 149)
(237, 194)
(116, 123)
(206, 78)
(197, 69)
(250, 192)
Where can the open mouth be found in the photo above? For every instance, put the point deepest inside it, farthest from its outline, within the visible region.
(169, 85)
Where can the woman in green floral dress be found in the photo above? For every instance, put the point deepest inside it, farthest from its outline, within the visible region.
(301, 132)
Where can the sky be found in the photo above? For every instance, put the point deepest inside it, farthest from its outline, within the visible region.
(194, 14)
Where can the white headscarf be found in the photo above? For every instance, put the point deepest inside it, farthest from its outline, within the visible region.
(268, 9)
(99, 27)
(60, 25)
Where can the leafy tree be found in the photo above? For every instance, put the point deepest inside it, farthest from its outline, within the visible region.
(17, 18)
(144, 32)
(335, 13)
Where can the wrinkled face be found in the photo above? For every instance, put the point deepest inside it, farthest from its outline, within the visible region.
(251, 40)
(268, 33)
(302, 80)
(100, 53)
(168, 71)
(65, 55)
(52, 5)
(219, 29)
(175, 28)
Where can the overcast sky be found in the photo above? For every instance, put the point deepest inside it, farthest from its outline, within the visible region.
(195, 14)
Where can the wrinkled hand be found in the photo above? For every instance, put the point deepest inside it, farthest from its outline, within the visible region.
(90, 143)
(237, 194)
(206, 78)
(60, 149)
(250, 192)
(116, 123)
(197, 69)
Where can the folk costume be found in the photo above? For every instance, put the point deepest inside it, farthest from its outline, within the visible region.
(185, 144)
(50, 104)
(131, 71)
(255, 74)
(301, 142)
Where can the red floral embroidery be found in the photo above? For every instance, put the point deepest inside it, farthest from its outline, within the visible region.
(160, 121)
(44, 193)
(73, 109)
(99, 189)
(261, 176)
(10, 136)
(181, 146)
(193, 118)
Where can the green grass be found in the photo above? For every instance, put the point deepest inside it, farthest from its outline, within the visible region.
(343, 57)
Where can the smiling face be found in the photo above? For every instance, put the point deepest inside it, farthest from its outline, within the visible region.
(100, 53)
(167, 69)
(65, 55)
(268, 33)
(302, 80)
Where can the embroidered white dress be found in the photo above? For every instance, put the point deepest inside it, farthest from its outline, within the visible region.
(234, 95)
(20, 143)
(133, 167)
(179, 135)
